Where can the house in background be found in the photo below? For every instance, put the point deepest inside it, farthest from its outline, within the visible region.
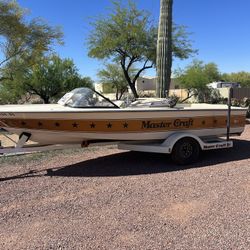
(218, 85)
(145, 83)
(145, 86)
(148, 83)
(238, 91)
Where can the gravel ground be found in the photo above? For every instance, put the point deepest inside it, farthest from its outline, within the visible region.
(105, 198)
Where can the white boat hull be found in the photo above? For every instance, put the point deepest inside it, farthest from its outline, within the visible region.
(54, 137)
(53, 124)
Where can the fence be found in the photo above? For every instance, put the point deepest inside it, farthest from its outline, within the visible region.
(181, 93)
(240, 93)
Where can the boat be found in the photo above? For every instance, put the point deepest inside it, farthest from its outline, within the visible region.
(84, 115)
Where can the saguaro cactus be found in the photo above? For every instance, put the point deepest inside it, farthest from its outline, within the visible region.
(164, 49)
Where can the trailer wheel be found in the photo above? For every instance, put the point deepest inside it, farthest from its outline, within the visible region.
(185, 151)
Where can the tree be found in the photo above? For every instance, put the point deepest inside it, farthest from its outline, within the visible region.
(128, 37)
(52, 77)
(11, 91)
(22, 41)
(212, 72)
(196, 77)
(114, 77)
(164, 48)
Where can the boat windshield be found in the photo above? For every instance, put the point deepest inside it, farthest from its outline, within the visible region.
(86, 98)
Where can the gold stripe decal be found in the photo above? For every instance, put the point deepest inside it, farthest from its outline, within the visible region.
(135, 125)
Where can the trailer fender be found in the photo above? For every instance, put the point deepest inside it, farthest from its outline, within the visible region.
(172, 139)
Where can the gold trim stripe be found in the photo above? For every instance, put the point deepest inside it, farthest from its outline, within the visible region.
(135, 125)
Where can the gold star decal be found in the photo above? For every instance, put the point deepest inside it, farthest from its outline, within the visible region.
(125, 125)
(109, 125)
(92, 125)
(75, 125)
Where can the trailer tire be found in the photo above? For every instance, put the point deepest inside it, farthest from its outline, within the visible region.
(185, 151)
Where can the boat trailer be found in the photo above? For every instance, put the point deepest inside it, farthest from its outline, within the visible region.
(184, 147)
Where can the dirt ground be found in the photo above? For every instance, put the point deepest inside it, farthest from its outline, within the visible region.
(104, 198)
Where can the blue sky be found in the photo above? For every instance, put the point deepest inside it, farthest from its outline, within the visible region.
(220, 29)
